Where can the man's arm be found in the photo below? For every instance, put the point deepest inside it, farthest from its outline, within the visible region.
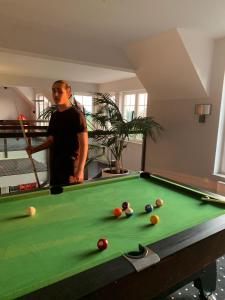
(82, 157)
(46, 144)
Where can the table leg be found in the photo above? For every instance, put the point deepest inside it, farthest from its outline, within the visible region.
(206, 283)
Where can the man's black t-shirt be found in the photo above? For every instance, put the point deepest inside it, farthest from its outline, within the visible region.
(64, 127)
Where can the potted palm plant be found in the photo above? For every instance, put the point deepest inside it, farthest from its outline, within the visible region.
(113, 131)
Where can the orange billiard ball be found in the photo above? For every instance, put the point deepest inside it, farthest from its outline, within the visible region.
(117, 212)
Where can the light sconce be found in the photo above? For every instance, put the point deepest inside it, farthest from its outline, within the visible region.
(202, 110)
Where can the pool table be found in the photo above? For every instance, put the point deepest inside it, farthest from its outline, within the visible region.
(54, 254)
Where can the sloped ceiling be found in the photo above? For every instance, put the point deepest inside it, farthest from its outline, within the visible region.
(169, 68)
(95, 32)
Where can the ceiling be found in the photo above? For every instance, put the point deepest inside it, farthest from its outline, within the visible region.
(28, 65)
(84, 40)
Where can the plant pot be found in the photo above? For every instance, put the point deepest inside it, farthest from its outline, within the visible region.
(111, 172)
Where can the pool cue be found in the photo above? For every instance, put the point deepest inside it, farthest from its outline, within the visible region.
(29, 155)
(213, 200)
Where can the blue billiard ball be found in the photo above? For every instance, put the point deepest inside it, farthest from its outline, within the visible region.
(148, 208)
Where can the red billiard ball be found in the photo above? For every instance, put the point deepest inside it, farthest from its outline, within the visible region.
(102, 244)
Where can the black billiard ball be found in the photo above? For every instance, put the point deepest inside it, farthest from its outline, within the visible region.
(125, 205)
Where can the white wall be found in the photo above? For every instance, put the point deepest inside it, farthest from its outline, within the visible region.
(200, 49)
(132, 156)
(10, 101)
(26, 92)
(187, 148)
(185, 144)
(131, 84)
(177, 75)
(164, 67)
(40, 85)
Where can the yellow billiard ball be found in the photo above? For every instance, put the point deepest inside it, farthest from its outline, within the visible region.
(154, 219)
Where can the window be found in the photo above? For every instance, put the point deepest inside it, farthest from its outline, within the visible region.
(86, 105)
(134, 105)
(142, 105)
(85, 101)
(219, 166)
(41, 104)
(129, 106)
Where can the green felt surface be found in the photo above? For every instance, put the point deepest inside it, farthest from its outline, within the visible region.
(61, 239)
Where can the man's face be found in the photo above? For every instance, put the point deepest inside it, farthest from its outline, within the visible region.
(60, 94)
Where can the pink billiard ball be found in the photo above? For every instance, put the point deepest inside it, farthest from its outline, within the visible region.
(102, 244)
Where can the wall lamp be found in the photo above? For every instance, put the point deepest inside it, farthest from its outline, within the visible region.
(202, 110)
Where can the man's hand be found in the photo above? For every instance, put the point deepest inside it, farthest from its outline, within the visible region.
(29, 150)
(77, 178)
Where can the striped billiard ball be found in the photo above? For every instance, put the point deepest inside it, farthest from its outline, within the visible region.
(129, 212)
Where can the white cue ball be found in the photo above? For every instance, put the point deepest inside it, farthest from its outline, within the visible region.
(31, 211)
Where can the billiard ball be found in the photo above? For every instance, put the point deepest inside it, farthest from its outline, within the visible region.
(102, 244)
(148, 208)
(154, 219)
(31, 211)
(125, 205)
(159, 202)
(117, 212)
(129, 212)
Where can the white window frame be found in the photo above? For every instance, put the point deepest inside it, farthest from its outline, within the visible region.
(135, 138)
(83, 95)
(219, 165)
(41, 103)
